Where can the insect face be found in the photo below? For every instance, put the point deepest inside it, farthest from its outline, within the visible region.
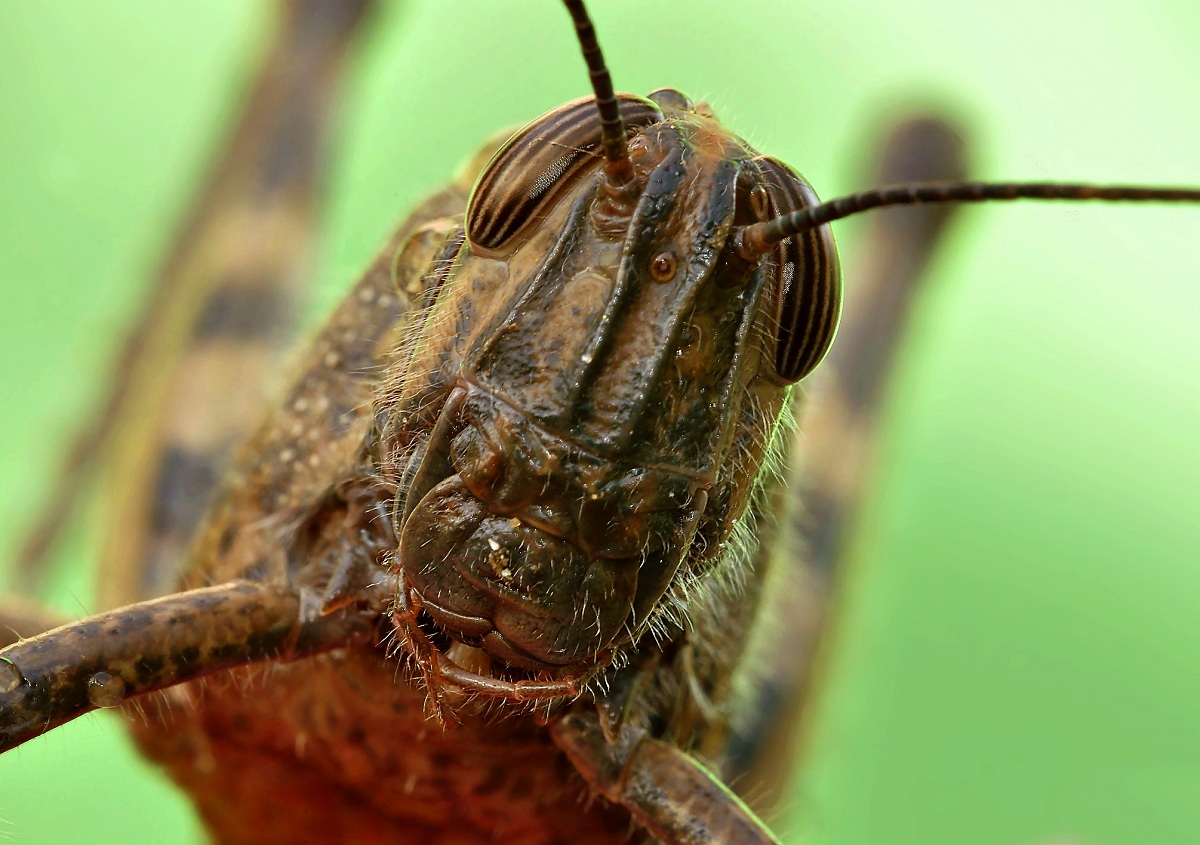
(598, 383)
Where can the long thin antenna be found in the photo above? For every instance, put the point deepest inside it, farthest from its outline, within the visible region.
(760, 237)
(612, 128)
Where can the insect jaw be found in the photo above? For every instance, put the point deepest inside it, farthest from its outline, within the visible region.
(440, 671)
(524, 544)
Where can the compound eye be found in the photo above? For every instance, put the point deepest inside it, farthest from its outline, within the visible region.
(807, 288)
(527, 173)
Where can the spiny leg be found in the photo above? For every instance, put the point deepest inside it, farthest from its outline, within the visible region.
(55, 677)
(668, 793)
(838, 429)
(190, 376)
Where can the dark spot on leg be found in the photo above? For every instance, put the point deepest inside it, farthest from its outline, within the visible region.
(225, 543)
(185, 481)
(243, 313)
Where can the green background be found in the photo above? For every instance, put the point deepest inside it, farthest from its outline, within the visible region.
(1016, 656)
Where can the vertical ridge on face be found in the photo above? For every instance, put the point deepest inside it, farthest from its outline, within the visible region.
(589, 349)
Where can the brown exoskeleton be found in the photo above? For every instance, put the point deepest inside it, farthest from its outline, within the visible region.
(429, 477)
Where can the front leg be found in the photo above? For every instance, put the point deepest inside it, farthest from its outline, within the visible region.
(666, 790)
(98, 662)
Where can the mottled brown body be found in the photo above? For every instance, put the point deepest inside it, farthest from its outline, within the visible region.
(306, 506)
(849, 432)
(311, 511)
(634, 423)
(353, 757)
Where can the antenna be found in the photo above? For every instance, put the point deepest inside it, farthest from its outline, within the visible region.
(612, 129)
(759, 238)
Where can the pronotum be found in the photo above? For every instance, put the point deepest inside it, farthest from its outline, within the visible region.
(993, 355)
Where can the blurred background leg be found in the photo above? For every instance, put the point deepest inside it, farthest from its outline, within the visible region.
(194, 372)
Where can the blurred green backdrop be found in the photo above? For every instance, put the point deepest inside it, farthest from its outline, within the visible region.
(1016, 654)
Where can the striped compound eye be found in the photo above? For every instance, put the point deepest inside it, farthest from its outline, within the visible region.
(524, 177)
(807, 290)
